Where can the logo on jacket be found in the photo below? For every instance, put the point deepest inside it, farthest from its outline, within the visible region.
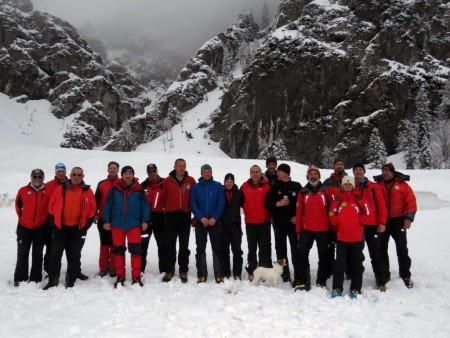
(29, 193)
(396, 187)
(343, 204)
(188, 186)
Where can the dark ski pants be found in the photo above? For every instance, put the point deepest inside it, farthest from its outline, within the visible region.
(71, 239)
(106, 259)
(201, 238)
(283, 232)
(48, 249)
(177, 226)
(373, 241)
(258, 237)
(305, 244)
(157, 227)
(232, 235)
(25, 239)
(353, 251)
(394, 228)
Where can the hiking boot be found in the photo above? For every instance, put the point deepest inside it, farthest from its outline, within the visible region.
(167, 277)
(70, 281)
(119, 280)
(382, 288)
(251, 277)
(137, 280)
(295, 283)
(103, 273)
(302, 287)
(321, 285)
(286, 278)
(82, 276)
(201, 280)
(16, 284)
(336, 293)
(219, 280)
(354, 294)
(53, 281)
(408, 283)
(239, 277)
(183, 277)
(112, 273)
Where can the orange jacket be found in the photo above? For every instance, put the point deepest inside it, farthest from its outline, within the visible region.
(57, 203)
(31, 206)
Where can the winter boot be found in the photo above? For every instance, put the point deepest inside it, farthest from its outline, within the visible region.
(408, 283)
(53, 281)
(201, 280)
(137, 280)
(336, 293)
(302, 287)
(183, 277)
(119, 280)
(82, 276)
(167, 277)
(70, 281)
(354, 294)
(219, 280)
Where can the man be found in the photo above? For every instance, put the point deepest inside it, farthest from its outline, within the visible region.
(175, 200)
(312, 224)
(401, 210)
(374, 221)
(257, 220)
(271, 173)
(32, 229)
(153, 185)
(207, 204)
(106, 259)
(126, 213)
(71, 209)
(281, 200)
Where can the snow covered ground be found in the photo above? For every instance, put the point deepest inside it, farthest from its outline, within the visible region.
(234, 309)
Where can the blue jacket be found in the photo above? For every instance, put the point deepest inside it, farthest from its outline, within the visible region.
(207, 199)
(126, 207)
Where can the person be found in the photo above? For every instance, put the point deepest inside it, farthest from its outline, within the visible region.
(231, 228)
(271, 173)
(346, 216)
(312, 224)
(175, 200)
(375, 222)
(126, 212)
(106, 261)
(71, 209)
(281, 201)
(257, 220)
(32, 229)
(401, 208)
(153, 185)
(207, 203)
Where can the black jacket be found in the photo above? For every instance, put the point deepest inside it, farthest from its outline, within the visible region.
(232, 212)
(283, 215)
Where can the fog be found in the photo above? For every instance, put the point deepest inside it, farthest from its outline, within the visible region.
(183, 25)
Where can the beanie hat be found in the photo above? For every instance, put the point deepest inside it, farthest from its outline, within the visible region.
(36, 172)
(60, 167)
(359, 165)
(312, 168)
(348, 180)
(284, 168)
(271, 159)
(389, 166)
(152, 166)
(228, 176)
(126, 169)
(205, 167)
(338, 159)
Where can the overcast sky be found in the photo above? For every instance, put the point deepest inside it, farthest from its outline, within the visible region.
(182, 23)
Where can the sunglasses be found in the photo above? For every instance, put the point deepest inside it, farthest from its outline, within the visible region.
(40, 177)
(75, 175)
(151, 171)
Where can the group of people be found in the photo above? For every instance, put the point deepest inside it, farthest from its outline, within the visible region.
(340, 215)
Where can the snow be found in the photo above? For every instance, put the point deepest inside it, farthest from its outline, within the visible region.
(94, 308)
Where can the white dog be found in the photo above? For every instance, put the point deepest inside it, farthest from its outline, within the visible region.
(272, 275)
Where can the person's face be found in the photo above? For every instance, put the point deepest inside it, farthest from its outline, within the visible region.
(359, 174)
(180, 168)
(339, 167)
(128, 177)
(347, 187)
(37, 180)
(113, 171)
(206, 174)
(255, 174)
(229, 184)
(152, 174)
(282, 176)
(271, 167)
(313, 176)
(60, 175)
(76, 176)
(387, 175)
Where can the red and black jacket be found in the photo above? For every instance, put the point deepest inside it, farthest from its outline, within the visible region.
(31, 206)
(101, 193)
(254, 198)
(153, 191)
(175, 194)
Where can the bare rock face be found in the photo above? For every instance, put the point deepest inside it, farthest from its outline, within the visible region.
(44, 57)
(327, 73)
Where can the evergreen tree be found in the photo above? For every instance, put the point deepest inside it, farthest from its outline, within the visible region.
(265, 17)
(424, 124)
(277, 149)
(328, 156)
(377, 150)
(440, 135)
(407, 141)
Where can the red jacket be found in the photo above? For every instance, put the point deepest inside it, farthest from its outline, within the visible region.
(376, 212)
(312, 210)
(254, 197)
(175, 194)
(31, 206)
(101, 193)
(53, 184)
(88, 207)
(333, 185)
(153, 190)
(346, 216)
(399, 197)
